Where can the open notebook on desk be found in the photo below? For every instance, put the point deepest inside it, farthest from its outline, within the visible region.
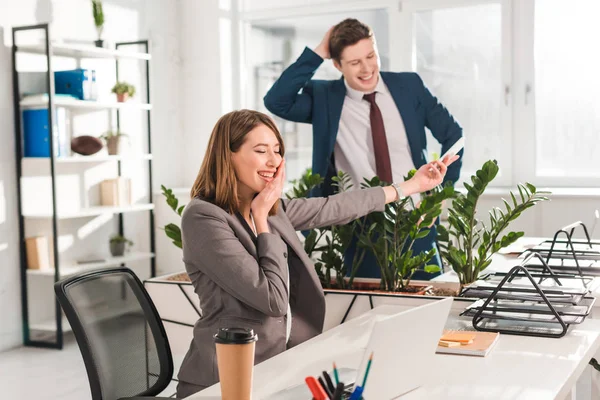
(453, 342)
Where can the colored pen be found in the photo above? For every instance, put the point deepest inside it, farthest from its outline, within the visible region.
(328, 381)
(367, 371)
(335, 374)
(339, 391)
(325, 388)
(357, 394)
(317, 391)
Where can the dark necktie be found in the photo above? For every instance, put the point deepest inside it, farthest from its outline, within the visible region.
(382, 153)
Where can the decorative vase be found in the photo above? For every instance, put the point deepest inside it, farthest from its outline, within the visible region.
(117, 249)
(112, 144)
(122, 97)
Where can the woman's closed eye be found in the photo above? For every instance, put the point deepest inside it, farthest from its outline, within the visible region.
(265, 152)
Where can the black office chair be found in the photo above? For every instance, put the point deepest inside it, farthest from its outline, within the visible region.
(121, 337)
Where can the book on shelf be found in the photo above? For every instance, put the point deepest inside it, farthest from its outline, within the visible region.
(116, 192)
(468, 343)
(38, 254)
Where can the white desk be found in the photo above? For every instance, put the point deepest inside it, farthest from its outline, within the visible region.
(519, 367)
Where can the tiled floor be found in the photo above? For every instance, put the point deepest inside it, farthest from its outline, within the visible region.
(43, 374)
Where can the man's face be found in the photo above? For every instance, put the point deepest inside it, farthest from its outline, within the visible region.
(359, 64)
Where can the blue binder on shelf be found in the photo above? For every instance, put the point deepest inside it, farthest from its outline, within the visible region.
(77, 83)
(36, 135)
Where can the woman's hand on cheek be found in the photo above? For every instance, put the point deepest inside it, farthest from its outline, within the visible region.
(263, 202)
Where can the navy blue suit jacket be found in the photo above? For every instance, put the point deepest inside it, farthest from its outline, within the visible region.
(297, 97)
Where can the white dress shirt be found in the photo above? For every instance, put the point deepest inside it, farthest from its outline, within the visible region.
(353, 149)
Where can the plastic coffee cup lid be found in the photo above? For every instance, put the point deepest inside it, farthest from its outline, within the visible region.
(235, 336)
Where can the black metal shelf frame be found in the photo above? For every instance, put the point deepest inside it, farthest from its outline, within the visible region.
(523, 323)
(568, 253)
(45, 28)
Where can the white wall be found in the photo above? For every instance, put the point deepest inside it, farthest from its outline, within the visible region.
(200, 80)
(157, 20)
(10, 291)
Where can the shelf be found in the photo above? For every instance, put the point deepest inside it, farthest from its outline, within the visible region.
(82, 51)
(50, 325)
(94, 211)
(89, 159)
(64, 101)
(72, 269)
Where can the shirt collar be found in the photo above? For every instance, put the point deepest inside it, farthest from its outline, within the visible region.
(358, 95)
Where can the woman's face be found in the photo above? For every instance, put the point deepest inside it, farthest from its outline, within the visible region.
(256, 161)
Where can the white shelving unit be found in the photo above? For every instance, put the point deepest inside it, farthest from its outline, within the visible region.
(89, 159)
(74, 178)
(72, 269)
(80, 51)
(83, 104)
(94, 211)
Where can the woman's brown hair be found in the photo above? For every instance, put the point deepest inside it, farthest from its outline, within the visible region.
(216, 182)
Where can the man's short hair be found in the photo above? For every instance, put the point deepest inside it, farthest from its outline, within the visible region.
(347, 33)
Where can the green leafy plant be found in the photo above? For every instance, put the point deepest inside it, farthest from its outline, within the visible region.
(112, 134)
(120, 239)
(391, 234)
(302, 187)
(121, 88)
(98, 14)
(172, 230)
(339, 238)
(467, 244)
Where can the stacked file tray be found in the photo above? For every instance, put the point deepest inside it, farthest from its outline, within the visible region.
(569, 255)
(520, 305)
(542, 272)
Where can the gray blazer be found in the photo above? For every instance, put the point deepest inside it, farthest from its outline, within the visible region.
(241, 280)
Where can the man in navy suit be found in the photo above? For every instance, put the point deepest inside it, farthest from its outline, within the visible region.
(368, 122)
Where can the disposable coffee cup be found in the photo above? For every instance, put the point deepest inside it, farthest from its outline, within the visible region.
(235, 360)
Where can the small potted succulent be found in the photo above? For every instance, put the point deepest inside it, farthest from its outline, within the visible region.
(118, 243)
(113, 140)
(98, 14)
(123, 90)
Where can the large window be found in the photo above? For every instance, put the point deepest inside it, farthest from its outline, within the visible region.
(521, 77)
(458, 54)
(567, 83)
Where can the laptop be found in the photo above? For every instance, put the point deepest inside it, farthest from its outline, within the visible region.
(403, 347)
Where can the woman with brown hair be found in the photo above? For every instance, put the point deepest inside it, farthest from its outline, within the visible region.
(240, 246)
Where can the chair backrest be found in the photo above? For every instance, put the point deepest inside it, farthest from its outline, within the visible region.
(119, 332)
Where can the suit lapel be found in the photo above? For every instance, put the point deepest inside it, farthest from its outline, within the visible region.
(405, 102)
(336, 96)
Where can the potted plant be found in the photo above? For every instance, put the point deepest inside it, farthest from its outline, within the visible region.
(117, 245)
(98, 14)
(331, 255)
(123, 90)
(113, 140)
(467, 244)
(390, 236)
(172, 230)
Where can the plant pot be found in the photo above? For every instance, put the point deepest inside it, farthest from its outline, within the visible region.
(117, 249)
(99, 43)
(373, 286)
(112, 144)
(122, 97)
